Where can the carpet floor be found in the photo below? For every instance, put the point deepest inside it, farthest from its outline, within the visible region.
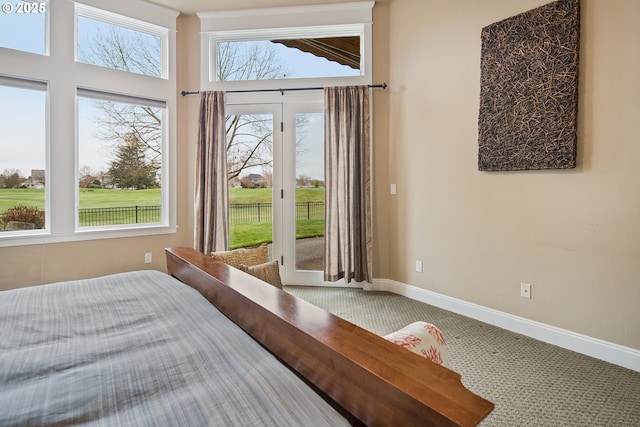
(530, 382)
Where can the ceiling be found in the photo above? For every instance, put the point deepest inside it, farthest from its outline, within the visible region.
(194, 6)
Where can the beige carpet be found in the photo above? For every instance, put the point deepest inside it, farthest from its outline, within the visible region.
(530, 382)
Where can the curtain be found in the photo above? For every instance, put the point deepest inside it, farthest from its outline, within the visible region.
(211, 222)
(348, 244)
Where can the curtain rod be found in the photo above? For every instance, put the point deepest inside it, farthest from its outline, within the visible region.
(282, 91)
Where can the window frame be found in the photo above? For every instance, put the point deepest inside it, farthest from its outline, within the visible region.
(90, 94)
(342, 19)
(40, 86)
(286, 33)
(106, 17)
(45, 14)
(64, 75)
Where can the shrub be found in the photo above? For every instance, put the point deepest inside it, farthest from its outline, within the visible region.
(23, 214)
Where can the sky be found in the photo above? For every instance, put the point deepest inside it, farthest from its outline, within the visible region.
(22, 111)
(310, 162)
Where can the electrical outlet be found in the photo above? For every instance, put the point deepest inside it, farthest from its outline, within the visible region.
(419, 266)
(525, 290)
(394, 189)
(148, 258)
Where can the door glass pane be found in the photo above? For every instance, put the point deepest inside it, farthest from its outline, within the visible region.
(250, 173)
(23, 158)
(120, 163)
(309, 248)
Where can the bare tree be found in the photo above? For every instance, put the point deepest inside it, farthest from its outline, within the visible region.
(249, 137)
(249, 61)
(11, 178)
(135, 52)
(124, 50)
(120, 121)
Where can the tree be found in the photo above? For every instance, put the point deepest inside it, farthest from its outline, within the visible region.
(131, 169)
(86, 177)
(130, 51)
(11, 178)
(249, 137)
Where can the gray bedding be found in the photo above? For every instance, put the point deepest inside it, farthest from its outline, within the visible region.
(137, 349)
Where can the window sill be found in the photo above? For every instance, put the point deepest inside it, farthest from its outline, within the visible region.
(40, 237)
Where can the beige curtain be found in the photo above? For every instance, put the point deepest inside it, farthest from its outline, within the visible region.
(348, 244)
(211, 222)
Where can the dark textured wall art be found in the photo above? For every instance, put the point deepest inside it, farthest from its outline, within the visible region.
(529, 90)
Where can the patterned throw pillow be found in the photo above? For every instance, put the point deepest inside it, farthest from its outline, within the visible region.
(424, 339)
(246, 256)
(268, 272)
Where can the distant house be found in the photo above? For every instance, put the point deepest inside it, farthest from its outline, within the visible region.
(106, 180)
(36, 180)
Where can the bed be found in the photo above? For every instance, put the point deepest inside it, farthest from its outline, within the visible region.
(207, 344)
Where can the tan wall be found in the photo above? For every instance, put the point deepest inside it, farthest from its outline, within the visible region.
(574, 235)
(37, 264)
(383, 213)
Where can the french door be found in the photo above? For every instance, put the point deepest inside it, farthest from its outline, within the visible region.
(275, 155)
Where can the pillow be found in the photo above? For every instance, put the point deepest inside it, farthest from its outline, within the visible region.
(247, 256)
(424, 339)
(268, 271)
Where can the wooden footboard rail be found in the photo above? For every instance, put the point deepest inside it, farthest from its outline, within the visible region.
(376, 381)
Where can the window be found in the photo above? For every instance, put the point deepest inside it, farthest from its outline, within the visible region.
(23, 26)
(300, 45)
(120, 146)
(120, 43)
(89, 118)
(23, 155)
(288, 58)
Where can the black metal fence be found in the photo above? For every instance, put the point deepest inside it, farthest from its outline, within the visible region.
(263, 212)
(310, 210)
(250, 212)
(238, 213)
(119, 215)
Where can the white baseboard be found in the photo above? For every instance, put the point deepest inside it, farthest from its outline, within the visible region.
(609, 352)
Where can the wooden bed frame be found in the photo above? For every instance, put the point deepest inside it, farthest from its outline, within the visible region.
(374, 380)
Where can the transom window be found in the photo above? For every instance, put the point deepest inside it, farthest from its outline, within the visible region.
(288, 58)
(300, 45)
(23, 26)
(120, 43)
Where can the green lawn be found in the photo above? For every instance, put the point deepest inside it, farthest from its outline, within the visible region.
(250, 234)
(263, 195)
(241, 234)
(98, 198)
(21, 196)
